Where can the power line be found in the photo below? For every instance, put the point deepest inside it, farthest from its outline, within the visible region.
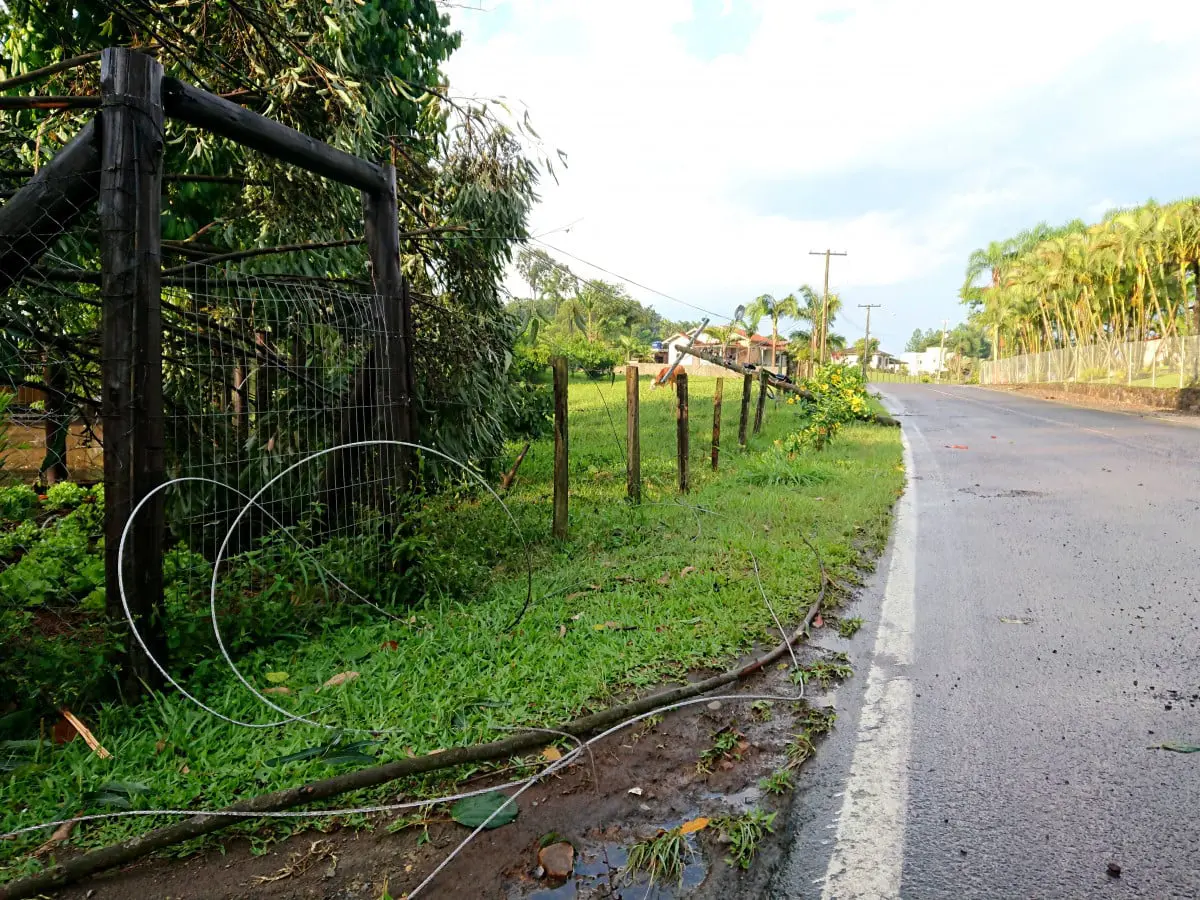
(722, 316)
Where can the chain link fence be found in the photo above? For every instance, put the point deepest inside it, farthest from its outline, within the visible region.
(1161, 363)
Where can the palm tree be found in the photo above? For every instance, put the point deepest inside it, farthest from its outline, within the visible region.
(768, 306)
(723, 333)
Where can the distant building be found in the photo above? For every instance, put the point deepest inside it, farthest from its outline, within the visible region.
(928, 362)
(754, 350)
(880, 360)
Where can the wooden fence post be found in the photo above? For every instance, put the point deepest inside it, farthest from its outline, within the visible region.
(131, 163)
(718, 396)
(762, 400)
(559, 365)
(744, 421)
(633, 472)
(393, 391)
(681, 430)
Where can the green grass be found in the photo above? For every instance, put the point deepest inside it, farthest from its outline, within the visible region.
(662, 857)
(778, 782)
(745, 833)
(635, 596)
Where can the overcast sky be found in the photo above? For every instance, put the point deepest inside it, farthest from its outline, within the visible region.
(713, 143)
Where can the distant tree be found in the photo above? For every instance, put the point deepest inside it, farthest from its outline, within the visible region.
(865, 348)
(767, 306)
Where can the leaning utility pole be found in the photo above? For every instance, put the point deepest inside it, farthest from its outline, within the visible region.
(824, 301)
(942, 351)
(866, 354)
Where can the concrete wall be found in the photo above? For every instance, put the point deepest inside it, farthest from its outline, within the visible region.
(1186, 399)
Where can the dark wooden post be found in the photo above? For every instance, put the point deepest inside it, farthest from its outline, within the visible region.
(393, 392)
(58, 422)
(718, 396)
(681, 430)
(762, 400)
(131, 155)
(559, 365)
(744, 421)
(633, 472)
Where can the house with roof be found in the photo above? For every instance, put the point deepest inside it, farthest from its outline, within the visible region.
(880, 360)
(745, 350)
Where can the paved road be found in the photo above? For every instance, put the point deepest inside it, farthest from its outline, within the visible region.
(1036, 629)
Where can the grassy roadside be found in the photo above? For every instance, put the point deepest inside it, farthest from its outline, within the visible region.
(635, 596)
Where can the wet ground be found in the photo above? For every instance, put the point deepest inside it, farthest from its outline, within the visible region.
(645, 779)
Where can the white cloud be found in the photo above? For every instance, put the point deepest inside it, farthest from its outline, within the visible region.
(659, 140)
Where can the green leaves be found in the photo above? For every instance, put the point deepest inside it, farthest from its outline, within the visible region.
(495, 808)
(1179, 748)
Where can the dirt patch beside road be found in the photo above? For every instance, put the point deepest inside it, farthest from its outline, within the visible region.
(646, 778)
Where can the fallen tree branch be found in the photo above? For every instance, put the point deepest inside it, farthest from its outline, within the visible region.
(71, 871)
(511, 475)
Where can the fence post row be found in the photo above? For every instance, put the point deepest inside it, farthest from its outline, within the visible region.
(633, 439)
(762, 400)
(744, 420)
(131, 155)
(681, 430)
(559, 366)
(718, 396)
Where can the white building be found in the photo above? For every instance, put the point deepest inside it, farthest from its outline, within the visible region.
(881, 361)
(928, 362)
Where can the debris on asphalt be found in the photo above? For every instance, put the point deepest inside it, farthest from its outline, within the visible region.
(957, 447)
(1114, 871)
(1176, 747)
(1015, 620)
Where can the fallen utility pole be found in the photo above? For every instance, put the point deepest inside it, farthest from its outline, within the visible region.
(687, 348)
(802, 393)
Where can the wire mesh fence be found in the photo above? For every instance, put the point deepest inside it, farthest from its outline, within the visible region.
(1160, 363)
(272, 359)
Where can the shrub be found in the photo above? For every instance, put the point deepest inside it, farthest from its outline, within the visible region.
(64, 495)
(17, 503)
(839, 395)
(594, 358)
(530, 401)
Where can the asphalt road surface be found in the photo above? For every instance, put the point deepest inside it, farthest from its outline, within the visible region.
(1033, 631)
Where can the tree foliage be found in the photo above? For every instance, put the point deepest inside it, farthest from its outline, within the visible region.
(362, 75)
(1131, 276)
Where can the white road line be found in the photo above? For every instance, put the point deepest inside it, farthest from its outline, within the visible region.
(868, 857)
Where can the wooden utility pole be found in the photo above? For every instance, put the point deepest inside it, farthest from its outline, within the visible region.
(866, 354)
(633, 472)
(824, 301)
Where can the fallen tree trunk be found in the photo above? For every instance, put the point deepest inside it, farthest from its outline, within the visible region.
(62, 874)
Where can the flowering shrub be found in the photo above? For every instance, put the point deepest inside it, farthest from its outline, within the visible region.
(839, 396)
